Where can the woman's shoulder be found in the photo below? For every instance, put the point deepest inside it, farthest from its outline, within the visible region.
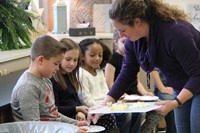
(129, 45)
(173, 28)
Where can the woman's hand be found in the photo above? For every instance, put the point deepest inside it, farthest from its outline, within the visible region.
(94, 117)
(83, 109)
(166, 106)
(80, 116)
(122, 97)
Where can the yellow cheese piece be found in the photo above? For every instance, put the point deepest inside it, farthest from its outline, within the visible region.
(118, 107)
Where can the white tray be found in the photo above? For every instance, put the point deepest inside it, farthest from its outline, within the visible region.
(131, 109)
(93, 128)
(140, 98)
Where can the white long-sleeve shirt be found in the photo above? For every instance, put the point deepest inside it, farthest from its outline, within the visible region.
(94, 88)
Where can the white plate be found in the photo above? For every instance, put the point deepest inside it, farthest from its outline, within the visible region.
(133, 107)
(141, 98)
(93, 128)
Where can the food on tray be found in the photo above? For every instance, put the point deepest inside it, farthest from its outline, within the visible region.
(118, 107)
(138, 105)
(132, 107)
(109, 104)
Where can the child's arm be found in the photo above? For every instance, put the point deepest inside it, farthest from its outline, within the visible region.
(29, 103)
(65, 110)
(109, 74)
(67, 119)
(142, 90)
(84, 94)
(161, 87)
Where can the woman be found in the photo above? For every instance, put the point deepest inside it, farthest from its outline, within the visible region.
(159, 35)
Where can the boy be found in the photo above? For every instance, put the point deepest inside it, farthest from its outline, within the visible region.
(32, 97)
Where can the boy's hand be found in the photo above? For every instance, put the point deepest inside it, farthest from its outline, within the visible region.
(82, 123)
(83, 130)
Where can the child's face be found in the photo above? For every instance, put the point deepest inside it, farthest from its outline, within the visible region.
(70, 60)
(120, 44)
(50, 66)
(93, 56)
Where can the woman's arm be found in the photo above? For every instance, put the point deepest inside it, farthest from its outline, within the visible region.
(128, 73)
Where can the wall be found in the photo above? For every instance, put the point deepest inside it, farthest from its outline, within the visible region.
(77, 10)
(182, 3)
(192, 7)
(7, 83)
(48, 13)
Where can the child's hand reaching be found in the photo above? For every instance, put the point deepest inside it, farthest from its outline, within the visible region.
(83, 130)
(83, 109)
(149, 94)
(80, 116)
(82, 123)
(167, 90)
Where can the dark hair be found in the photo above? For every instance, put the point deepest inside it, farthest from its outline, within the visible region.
(89, 41)
(116, 35)
(125, 11)
(115, 38)
(106, 56)
(70, 45)
(46, 46)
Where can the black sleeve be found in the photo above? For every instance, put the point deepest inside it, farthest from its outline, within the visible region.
(69, 111)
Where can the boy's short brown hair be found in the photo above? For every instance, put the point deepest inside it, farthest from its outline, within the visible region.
(47, 46)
